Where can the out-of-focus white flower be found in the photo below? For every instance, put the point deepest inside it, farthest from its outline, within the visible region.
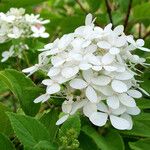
(15, 24)
(98, 64)
(39, 32)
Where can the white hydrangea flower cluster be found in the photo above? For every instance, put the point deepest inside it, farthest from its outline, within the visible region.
(94, 69)
(16, 25)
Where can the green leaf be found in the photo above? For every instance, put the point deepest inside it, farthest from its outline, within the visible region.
(44, 145)
(105, 142)
(140, 128)
(143, 103)
(73, 123)
(49, 120)
(23, 88)
(142, 144)
(28, 130)
(86, 143)
(141, 12)
(5, 126)
(5, 143)
(94, 4)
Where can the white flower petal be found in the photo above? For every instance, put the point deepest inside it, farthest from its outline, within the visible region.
(124, 75)
(91, 94)
(108, 58)
(54, 88)
(62, 119)
(135, 93)
(47, 82)
(102, 107)
(133, 110)
(119, 29)
(69, 72)
(67, 106)
(78, 84)
(119, 123)
(42, 98)
(119, 86)
(87, 75)
(129, 119)
(57, 61)
(113, 102)
(140, 42)
(101, 80)
(85, 66)
(114, 51)
(88, 19)
(127, 100)
(104, 45)
(53, 71)
(98, 118)
(119, 110)
(89, 108)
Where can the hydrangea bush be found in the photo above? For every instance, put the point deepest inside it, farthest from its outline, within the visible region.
(80, 82)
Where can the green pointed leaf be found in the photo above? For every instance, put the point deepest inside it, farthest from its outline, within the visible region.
(143, 103)
(23, 88)
(49, 120)
(5, 143)
(28, 130)
(105, 142)
(142, 144)
(5, 126)
(140, 128)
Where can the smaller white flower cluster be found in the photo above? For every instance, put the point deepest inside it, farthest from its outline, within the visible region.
(94, 69)
(15, 24)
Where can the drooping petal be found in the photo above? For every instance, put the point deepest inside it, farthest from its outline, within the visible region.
(98, 118)
(78, 83)
(62, 119)
(113, 102)
(127, 100)
(91, 94)
(119, 123)
(54, 88)
(42, 98)
(135, 93)
(119, 86)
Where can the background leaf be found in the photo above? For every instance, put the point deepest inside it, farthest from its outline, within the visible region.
(23, 88)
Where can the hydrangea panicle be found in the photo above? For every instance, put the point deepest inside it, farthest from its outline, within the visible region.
(98, 63)
(16, 25)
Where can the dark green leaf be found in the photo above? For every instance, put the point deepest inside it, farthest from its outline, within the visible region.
(23, 88)
(49, 120)
(143, 144)
(5, 126)
(28, 130)
(5, 143)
